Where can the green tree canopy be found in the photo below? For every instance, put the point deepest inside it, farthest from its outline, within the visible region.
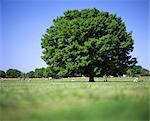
(137, 70)
(88, 41)
(39, 72)
(13, 73)
(30, 74)
(2, 74)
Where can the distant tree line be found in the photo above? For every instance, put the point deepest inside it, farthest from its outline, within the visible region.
(10, 73)
(138, 70)
(47, 72)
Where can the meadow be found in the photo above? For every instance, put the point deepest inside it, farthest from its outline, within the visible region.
(75, 99)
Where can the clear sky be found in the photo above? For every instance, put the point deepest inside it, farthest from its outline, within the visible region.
(22, 23)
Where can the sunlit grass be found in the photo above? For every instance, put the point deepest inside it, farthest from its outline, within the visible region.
(63, 99)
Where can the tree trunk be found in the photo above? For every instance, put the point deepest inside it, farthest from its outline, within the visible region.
(91, 79)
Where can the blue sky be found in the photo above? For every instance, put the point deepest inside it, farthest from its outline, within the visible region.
(22, 23)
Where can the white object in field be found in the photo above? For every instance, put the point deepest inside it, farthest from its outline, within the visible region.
(1, 79)
(25, 79)
(136, 80)
(72, 80)
(124, 75)
(29, 79)
(83, 76)
(49, 78)
(105, 78)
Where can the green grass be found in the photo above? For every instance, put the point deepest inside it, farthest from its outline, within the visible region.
(120, 99)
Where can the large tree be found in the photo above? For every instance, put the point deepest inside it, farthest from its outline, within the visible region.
(88, 41)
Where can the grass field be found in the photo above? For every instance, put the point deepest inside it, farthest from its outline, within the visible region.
(119, 99)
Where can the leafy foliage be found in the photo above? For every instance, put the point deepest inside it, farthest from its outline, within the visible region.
(137, 70)
(38, 73)
(2, 74)
(30, 74)
(13, 73)
(88, 41)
